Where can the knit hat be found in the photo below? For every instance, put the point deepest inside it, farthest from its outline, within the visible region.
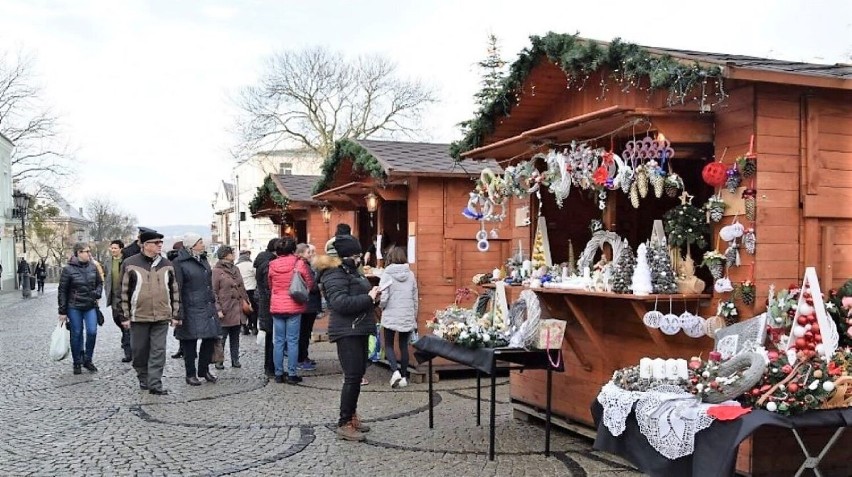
(224, 251)
(149, 235)
(346, 246)
(190, 239)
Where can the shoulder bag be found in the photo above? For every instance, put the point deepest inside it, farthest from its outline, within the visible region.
(298, 287)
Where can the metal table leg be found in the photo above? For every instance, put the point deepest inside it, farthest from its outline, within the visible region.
(493, 409)
(431, 405)
(478, 397)
(548, 415)
(813, 462)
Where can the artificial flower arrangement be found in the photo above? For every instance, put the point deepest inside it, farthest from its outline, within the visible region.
(464, 327)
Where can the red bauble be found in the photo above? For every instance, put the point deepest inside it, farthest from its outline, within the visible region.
(714, 174)
(755, 392)
(817, 338)
(815, 328)
(811, 346)
(809, 336)
(793, 388)
(801, 343)
(802, 320)
(812, 319)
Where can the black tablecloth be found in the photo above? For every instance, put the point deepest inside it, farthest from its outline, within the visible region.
(483, 359)
(715, 447)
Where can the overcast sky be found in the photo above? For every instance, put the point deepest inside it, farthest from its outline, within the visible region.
(143, 86)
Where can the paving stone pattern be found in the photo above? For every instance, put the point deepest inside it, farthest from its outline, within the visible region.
(53, 423)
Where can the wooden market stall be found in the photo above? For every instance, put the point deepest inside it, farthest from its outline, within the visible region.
(417, 192)
(795, 118)
(286, 200)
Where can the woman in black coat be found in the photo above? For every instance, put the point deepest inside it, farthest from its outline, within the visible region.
(80, 287)
(352, 320)
(262, 294)
(198, 310)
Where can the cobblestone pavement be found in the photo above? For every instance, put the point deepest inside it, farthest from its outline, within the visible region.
(55, 423)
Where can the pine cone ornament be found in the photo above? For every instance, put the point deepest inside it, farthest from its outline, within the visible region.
(750, 242)
(733, 180)
(747, 166)
(717, 270)
(659, 183)
(634, 195)
(717, 214)
(750, 198)
(642, 182)
(627, 181)
(673, 185)
(715, 208)
(732, 256)
(747, 293)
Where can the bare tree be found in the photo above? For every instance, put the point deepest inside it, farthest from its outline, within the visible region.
(40, 151)
(109, 222)
(314, 97)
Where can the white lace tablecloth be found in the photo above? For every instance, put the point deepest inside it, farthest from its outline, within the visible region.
(668, 416)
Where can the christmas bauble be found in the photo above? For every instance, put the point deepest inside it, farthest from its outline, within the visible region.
(771, 406)
(714, 174)
(805, 309)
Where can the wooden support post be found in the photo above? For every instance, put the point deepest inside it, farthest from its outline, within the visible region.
(590, 330)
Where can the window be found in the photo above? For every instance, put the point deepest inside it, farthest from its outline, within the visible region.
(285, 167)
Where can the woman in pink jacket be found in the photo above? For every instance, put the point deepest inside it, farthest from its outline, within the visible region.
(286, 312)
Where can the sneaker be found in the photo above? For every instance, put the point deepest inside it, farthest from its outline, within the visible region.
(403, 382)
(294, 379)
(143, 385)
(193, 381)
(178, 355)
(307, 366)
(348, 432)
(90, 366)
(395, 378)
(126, 359)
(78, 369)
(220, 366)
(279, 379)
(236, 364)
(364, 382)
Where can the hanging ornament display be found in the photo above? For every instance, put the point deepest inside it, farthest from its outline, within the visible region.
(714, 174)
(715, 262)
(750, 199)
(747, 164)
(642, 181)
(727, 310)
(715, 208)
(747, 292)
(733, 179)
(750, 241)
(634, 195)
(732, 255)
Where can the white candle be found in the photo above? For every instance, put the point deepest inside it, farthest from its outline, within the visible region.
(495, 274)
(659, 369)
(587, 273)
(682, 369)
(671, 369)
(646, 368)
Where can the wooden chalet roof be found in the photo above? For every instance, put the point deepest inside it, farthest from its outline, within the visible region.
(420, 158)
(297, 188)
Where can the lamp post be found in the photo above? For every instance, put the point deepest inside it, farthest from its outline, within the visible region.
(326, 214)
(22, 202)
(372, 205)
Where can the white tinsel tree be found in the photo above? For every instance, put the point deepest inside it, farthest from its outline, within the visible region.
(662, 273)
(640, 283)
(622, 272)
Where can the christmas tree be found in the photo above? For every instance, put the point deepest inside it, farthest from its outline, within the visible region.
(493, 69)
(622, 272)
(662, 273)
(538, 257)
(640, 283)
(686, 224)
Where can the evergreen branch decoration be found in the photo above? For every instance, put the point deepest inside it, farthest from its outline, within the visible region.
(270, 190)
(361, 161)
(628, 64)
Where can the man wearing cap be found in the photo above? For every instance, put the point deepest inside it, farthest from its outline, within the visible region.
(135, 247)
(150, 300)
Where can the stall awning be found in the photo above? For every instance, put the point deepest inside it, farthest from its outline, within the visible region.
(596, 124)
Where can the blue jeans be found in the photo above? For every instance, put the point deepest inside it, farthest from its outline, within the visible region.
(77, 318)
(286, 335)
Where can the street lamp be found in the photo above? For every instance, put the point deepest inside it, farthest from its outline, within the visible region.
(22, 202)
(372, 205)
(326, 214)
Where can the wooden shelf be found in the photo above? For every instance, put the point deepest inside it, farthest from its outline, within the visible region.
(626, 296)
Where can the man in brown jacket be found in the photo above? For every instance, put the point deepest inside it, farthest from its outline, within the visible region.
(147, 311)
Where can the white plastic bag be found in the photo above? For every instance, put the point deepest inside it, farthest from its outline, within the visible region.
(261, 338)
(60, 343)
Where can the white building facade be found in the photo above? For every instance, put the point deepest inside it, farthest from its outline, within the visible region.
(7, 242)
(241, 230)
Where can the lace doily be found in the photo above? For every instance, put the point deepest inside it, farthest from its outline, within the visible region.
(669, 418)
(617, 404)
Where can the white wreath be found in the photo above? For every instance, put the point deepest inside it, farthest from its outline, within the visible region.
(596, 243)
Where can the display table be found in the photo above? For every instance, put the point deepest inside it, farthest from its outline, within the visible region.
(484, 360)
(716, 447)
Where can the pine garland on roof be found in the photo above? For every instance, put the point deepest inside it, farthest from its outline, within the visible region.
(361, 161)
(628, 64)
(268, 189)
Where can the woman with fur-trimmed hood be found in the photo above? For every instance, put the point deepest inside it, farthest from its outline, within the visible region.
(352, 319)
